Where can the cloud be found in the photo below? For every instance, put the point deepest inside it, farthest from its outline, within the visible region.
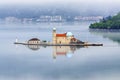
(55, 1)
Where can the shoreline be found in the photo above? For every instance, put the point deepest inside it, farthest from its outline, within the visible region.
(86, 44)
(104, 30)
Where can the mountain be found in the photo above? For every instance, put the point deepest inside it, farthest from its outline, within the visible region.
(31, 11)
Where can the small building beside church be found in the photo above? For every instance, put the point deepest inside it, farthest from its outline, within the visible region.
(34, 41)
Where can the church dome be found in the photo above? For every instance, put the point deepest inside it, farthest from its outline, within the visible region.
(69, 34)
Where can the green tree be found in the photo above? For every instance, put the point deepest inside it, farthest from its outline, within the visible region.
(110, 22)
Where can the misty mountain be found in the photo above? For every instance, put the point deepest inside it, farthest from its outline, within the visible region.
(29, 12)
(63, 10)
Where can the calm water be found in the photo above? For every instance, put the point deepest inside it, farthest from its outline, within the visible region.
(19, 62)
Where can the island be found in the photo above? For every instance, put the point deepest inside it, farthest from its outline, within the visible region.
(110, 22)
(59, 39)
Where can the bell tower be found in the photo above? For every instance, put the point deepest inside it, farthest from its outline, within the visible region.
(54, 36)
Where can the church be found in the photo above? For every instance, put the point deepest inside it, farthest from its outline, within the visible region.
(64, 38)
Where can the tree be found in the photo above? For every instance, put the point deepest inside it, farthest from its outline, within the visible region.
(110, 22)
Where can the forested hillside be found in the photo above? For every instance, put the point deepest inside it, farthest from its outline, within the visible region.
(110, 22)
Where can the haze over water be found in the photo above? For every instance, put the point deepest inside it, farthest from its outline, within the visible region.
(20, 62)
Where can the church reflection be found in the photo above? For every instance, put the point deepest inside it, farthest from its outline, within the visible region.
(67, 51)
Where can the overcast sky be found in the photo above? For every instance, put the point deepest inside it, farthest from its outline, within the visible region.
(57, 1)
(83, 6)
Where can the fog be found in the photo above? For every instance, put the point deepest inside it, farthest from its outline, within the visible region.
(63, 2)
(91, 7)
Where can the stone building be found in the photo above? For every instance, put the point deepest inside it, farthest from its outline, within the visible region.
(65, 38)
(34, 41)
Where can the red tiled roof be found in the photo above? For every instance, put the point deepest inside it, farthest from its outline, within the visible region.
(61, 35)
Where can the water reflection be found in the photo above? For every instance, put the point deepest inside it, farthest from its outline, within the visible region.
(67, 51)
(33, 47)
(112, 35)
